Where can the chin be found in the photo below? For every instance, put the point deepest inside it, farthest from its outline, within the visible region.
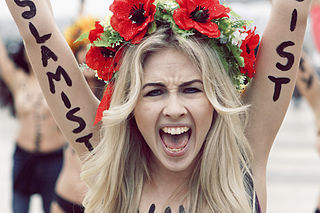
(177, 165)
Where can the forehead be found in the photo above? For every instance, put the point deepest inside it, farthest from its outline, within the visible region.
(170, 64)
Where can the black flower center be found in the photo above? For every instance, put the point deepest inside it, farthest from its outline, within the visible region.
(137, 14)
(105, 52)
(200, 14)
(248, 49)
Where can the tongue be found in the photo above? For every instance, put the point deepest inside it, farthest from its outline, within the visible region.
(175, 141)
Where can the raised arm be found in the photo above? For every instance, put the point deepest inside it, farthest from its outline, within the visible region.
(277, 64)
(271, 89)
(81, 8)
(8, 71)
(71, 101)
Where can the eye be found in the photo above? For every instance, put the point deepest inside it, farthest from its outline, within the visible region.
(154, 92)
(190, 90)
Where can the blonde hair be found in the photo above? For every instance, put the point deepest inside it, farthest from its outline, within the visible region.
(118, 167)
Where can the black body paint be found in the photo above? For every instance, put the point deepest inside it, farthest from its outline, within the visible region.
(71, 117)
(27, 14)
(289, 56)
(167, 210)
(86, 140)
(181, 209)
(46, 54)
(65, 100)
(277, 87)
(294, 18)
(35, 33)
(301, 65)
(57, 76)
(152, 208)
(308, 81)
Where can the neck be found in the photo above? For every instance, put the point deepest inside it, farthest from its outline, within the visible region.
(169, 182)
(166, 188)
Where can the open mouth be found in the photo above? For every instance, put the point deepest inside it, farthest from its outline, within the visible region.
(175, 139)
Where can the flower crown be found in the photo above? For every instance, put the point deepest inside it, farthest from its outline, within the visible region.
(232, 38)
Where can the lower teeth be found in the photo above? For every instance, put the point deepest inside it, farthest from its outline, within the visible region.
(175, 150)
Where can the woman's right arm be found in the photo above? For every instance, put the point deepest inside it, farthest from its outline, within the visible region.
(11, 75)
(71, 101)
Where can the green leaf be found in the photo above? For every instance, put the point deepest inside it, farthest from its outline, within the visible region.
(109, 38)
(82, 36)
(152, 28)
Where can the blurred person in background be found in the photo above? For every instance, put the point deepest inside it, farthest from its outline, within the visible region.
(38, 155)
(308, 81)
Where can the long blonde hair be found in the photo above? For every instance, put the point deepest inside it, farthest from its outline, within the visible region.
(118, 167)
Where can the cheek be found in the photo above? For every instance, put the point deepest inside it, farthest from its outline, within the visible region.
(203, 118)
(146, 115)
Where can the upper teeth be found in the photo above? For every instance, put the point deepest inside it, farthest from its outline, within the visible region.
(175, 130)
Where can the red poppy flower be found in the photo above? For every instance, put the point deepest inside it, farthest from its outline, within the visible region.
(105, 103)
(104, 59)
(95, 33)
(248, 47)
(132, 17)
(198, 14)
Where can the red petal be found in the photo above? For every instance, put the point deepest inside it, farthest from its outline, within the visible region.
(209, 29)
(204, 3)
(182, 3)
(254, 41)
(139, 36)
(129, 30)
(250, 42)
(121, 9)
(104, 104)
(125, 28)
(148, 5)
(95, 33)
(104, 66)
(181, 18)
(219, 11)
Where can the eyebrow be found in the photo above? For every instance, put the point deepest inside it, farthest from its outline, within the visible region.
(188, 83)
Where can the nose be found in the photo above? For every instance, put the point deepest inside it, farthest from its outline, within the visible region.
(174, 107)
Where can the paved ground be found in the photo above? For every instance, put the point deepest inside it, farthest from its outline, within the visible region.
(293, 170)
(294, 165)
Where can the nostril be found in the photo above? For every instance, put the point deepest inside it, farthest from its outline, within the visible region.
(174, 107)
(174, 113)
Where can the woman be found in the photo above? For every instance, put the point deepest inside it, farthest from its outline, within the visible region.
(38, 154)
(308, 81)
(308, 84)
(176, 136)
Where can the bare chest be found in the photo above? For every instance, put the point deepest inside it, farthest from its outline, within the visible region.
(153, 208)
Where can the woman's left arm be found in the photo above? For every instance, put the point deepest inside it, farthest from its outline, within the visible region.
(277, 64)
(271, 89)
